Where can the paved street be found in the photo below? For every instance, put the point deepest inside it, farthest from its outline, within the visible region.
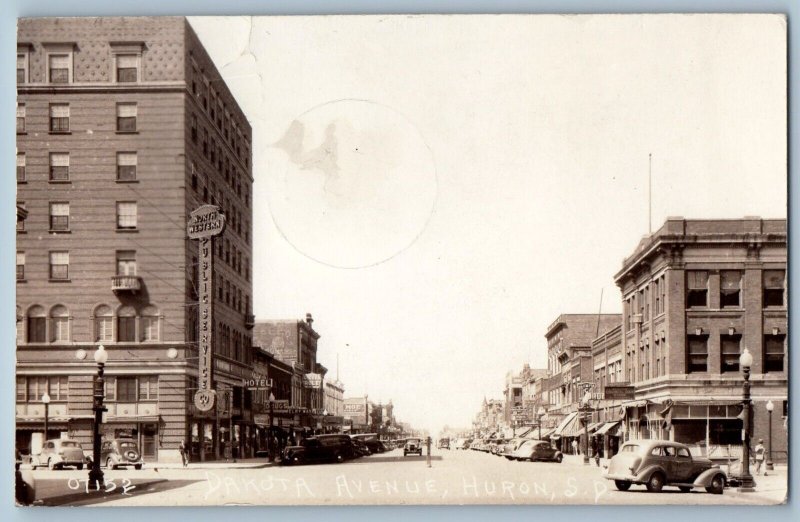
(460, 477)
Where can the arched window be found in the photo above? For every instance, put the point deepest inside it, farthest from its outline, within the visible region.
(37, 325)
(59, 324)
(149, 323)
(126, 325)
(103, 324)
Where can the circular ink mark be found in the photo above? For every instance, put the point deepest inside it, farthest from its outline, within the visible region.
(355, 186)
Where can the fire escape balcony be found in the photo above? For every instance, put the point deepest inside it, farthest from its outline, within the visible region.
(126, 283)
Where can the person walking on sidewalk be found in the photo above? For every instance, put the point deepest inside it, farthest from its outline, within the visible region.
(184, 453)
(574, 446)
(759, 456)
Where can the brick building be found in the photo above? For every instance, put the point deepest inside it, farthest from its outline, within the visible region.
(695, 294)
(124, 126)
(294, 342)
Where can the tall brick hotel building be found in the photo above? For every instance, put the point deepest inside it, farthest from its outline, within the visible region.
(124, 126)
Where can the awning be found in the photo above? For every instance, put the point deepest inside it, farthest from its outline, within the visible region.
(608, 427)
(525, 433)
(545, 433)
(594, 426)
(573, 428)
(563, 424)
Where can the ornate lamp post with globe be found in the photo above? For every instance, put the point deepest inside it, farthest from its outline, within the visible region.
(769, 466)
(746, 482)
(46, 402)
(96, 480)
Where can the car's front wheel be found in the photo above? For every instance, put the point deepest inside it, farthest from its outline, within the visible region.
(685, 489)
(138, 466)
(717, 485)
(622, 485)
(110, 464)
(559, 458)
(79, 466)
(656, 482)
(339, 458)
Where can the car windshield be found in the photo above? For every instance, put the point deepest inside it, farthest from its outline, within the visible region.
(69, 444)
(127, 445)
(413, 441)
(629, 448)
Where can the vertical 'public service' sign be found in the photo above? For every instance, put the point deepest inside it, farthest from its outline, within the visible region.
(205, 223)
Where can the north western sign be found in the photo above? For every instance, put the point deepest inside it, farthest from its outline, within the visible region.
(205, 221)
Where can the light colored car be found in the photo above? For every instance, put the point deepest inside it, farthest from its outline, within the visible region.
(659, 463)
(413, 446)
(510, 447)
(537, 450)
(57, 453)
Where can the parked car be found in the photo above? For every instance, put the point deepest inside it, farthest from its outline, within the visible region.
(510, 447)
(360, 447)
(121, 453)
(499, 446)
(537, 450)
(659, 463)
(322, 448)
(444, 443)
(57, 453)
(413, 446)
(372, 442)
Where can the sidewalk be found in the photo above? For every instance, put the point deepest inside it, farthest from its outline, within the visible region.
(214, 464)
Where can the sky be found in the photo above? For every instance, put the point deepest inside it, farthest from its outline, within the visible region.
(437, 190)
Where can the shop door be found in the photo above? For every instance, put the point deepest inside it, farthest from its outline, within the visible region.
(149, 437)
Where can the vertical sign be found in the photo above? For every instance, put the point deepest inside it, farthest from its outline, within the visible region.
(205, 223)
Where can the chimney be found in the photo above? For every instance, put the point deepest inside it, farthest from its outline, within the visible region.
(309, 320)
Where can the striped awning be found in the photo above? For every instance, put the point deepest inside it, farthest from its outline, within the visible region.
(608, 427)
(594, 426)
(574, 428)
(568, 420)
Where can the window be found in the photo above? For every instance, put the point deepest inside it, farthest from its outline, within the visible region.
(698, 353)
(103, 324)
(58, 388)
(59, 217)
(194, 128)
(126, 166)
(59, 166)
(697, 288)
(21, 167)
(59, 117)
(126, 117)
(20, 117)
(126, 262)
(37, 325)
(730, 286)
(20, 266)
(126, 324)
(59, 324)
(148, 387)
(149, 323)
(37, 386)
(110, 385)
(126, 389)
(59, 69)
(22, 67)
(773, 287)
(773, 353)
(126, 215)
(127, 68)
(59, 265)
(730, 353)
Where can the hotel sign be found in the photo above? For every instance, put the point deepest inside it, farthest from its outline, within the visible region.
(353, 408)
(205, 223)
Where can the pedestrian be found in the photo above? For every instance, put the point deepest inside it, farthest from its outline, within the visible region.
(184, 453)
(574, 446)
(759, 455)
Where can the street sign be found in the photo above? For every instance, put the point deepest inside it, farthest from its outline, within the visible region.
(204, 400)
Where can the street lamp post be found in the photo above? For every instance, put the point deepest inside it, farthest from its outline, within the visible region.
(746, 482)
(586, 412)
(271, 423)
(96, 480)
(539, 415)
(770, 465)
(46, 402)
